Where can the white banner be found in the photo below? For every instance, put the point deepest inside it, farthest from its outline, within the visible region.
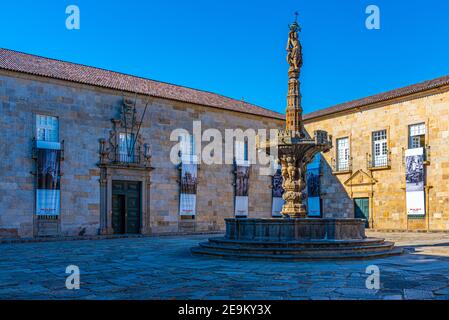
(414, 181)
(187, 204)
(313, 207)
(276, 208)
(277, 191)
(48, 202)
(313, 187)
(241, 206)
(187, 200)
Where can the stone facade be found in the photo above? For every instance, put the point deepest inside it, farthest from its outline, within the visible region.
(386, 188)
(85, 114)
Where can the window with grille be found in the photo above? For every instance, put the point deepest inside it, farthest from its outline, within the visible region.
(343, 154)
(126, 147)
(380, 148)
(47, 128)
(417, 136)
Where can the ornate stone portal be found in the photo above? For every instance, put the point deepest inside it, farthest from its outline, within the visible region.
(124, 156)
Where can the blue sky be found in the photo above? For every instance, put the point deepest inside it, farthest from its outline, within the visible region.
(237, 48)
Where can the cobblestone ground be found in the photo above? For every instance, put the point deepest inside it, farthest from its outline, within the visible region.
(162, 268)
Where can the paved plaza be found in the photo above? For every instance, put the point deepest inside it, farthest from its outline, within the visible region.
(163, 268)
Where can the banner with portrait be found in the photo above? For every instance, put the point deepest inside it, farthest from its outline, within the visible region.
(241, 190)
(313, 187)
(414, 181)
(277, 192)
(48, 190)
(189, 180)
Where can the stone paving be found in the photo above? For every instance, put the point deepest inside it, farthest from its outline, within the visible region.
(162, 268)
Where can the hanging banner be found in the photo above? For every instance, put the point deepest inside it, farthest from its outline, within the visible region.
(241, 190)
(313, 187)
(187, 201)
(277, 192)
(48, 193)
(414, 181)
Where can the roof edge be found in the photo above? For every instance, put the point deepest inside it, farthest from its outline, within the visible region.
(275, 115)
(383, 97)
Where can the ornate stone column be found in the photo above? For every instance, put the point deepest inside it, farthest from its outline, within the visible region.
(295, 148)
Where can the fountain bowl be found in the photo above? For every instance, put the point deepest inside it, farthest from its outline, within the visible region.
(296, 239)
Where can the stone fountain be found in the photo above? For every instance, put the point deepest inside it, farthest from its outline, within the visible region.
(295, 237)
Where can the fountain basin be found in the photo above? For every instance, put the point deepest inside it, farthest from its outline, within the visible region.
(296, 239)
(294, 229)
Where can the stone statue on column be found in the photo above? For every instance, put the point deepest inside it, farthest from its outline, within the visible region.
(294, 49)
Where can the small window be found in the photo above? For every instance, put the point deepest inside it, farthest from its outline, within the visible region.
(126, 147)
(417, 136)
(47, 128)
(188, 149)
(241, 151)
(343, 154)
(380, 148)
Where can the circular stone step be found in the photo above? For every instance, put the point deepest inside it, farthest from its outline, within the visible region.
(295, 257)
(296, 239)
(223, 241)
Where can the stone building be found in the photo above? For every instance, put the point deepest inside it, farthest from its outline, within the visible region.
(365, 172)
(67, 132)
(87, 151)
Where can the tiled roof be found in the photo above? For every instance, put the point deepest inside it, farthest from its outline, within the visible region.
(416, 88)
(36, 65)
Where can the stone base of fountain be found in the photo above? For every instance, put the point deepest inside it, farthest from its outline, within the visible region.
(296, 239)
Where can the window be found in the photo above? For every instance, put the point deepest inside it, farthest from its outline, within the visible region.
(241, 151)
(47, 128)
(126, 147)
(188, 150)
(380, 148)
(343, 154)
(416, 136)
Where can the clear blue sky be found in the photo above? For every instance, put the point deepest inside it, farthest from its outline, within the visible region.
(237, 47)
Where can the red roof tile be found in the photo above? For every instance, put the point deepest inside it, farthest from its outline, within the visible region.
(36, 65)
(398, 93)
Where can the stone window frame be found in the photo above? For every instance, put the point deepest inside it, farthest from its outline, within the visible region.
(334, 159)
(370, 156)
(47, 128)
(419, 125)
(337, 155)
(426, 140)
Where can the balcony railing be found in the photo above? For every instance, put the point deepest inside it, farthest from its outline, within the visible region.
(124, 158)
(378, 162)
(141, 157)
(341, 166)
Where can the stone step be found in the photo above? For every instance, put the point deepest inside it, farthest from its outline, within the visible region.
(299, 251)
(292, 257)
(297, 244)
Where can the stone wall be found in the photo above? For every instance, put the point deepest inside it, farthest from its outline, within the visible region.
(84, 117)
(386, 188)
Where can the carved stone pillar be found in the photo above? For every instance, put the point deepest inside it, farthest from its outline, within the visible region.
(103, 201)
(293, 173)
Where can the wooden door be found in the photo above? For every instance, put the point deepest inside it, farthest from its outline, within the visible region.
(126, 207)
(361, 209)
